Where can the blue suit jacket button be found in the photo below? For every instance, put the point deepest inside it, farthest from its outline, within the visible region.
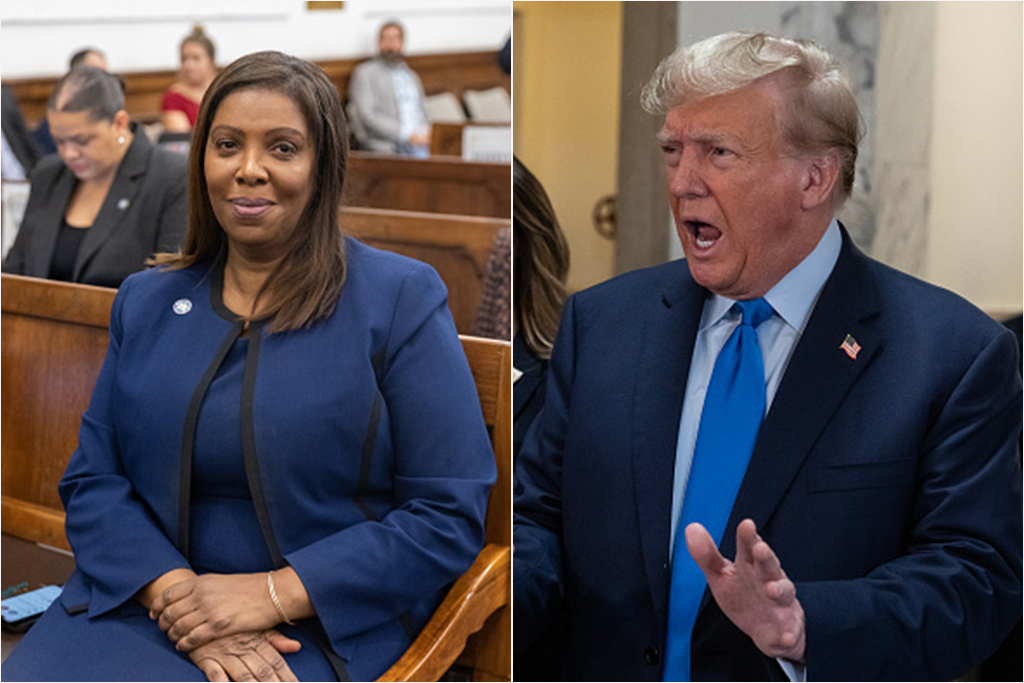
(651, 655)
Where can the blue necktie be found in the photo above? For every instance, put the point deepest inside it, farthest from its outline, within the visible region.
(733, 410)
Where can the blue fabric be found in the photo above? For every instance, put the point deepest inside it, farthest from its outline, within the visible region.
(792, 298)
(731, 418)
(422, 467)
(889, 485)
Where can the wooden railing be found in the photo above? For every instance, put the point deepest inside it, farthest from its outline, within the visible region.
(457, 247)
(435, 185)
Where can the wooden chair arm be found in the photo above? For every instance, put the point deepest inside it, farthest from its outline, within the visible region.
(478, 593)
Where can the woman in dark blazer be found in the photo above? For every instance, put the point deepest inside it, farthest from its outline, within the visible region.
(540, 264)
(284, 462)
(108, 200)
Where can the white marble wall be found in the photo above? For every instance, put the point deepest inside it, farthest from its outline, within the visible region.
(906, 56)
(849, 30)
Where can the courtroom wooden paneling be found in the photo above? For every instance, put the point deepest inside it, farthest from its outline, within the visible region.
(435, 185)
(54, 337)
(453, 72)
(456, 246)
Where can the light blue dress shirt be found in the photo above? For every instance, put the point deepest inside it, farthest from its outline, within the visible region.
(410, 109)
(793, 299)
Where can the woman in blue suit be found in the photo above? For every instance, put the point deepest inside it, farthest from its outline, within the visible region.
(284, 462)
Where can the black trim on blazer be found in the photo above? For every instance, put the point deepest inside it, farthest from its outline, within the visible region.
(189, 436)
(252, 465)
(249, 451)
(366, 460)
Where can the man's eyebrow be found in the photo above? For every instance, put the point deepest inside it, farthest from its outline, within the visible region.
(708, 138)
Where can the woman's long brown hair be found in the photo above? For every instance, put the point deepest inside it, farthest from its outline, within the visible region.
(306, 285)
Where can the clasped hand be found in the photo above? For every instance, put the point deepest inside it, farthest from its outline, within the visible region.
(202, 609)
(753, 592)
(246, 657)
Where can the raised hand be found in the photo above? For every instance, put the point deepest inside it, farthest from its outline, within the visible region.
(753, 591)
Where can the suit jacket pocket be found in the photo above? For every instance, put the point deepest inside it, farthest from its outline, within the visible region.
(859, 475)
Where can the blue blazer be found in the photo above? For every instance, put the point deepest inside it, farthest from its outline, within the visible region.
(367, 454)
(889, 485)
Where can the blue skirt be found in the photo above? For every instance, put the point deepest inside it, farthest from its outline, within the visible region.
(125, 646)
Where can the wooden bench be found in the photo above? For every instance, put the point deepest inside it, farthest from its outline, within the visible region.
(434, 185)
(53, 339)
(456, 246)
(453, 72)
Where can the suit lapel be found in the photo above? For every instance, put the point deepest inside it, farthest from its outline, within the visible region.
(123, 191)
(819, 375)
(662, 370)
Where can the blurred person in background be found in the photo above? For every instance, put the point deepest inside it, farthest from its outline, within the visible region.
(87, 56)
(386, 100)
(181, 101)
(108, 200)
(20, 151)
(540, 265)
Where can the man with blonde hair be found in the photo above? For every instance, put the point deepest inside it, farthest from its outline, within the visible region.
(847, 434)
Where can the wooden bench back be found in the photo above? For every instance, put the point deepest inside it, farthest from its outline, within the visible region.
(457, 247)
(453, 72)
(53, 338)
(435, 185)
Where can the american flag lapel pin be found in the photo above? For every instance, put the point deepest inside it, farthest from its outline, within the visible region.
(851, 347)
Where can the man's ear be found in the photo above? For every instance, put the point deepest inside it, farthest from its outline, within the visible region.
(820, 177)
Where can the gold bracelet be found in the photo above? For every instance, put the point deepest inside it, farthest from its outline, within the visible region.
(277, 603)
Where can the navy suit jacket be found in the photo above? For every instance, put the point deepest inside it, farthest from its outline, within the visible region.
(366, 451)
(143, 213)
(889, 485)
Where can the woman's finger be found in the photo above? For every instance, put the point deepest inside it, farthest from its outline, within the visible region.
(172, 594)
(174, 612)
(261, 669)
(212, 670)
(184, 626)
(237, 669)
(197, 637)
(270, 654)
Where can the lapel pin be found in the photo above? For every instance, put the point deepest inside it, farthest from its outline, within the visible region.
(851, 347)
(123, 203)
(182, 306)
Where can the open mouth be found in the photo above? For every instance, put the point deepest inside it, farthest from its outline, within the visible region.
(704, 234)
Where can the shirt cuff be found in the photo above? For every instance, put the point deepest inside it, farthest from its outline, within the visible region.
(797, 673)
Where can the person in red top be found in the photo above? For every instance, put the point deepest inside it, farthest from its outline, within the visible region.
(181, 101)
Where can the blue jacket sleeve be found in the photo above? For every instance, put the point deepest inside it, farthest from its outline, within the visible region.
(373, 572)
(119, 545)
